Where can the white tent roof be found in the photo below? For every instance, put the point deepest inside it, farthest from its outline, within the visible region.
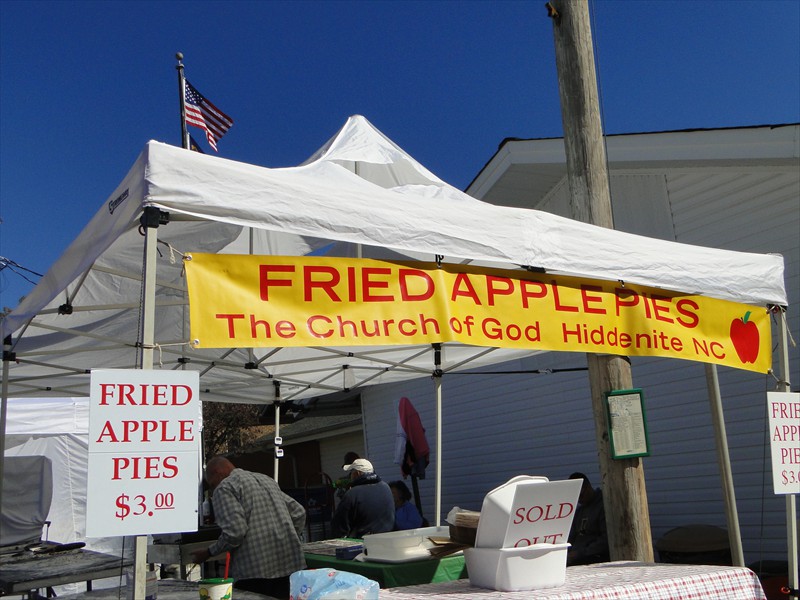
(359, 189)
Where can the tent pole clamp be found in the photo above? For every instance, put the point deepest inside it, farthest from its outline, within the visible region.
(8, 355)
(152, 217)
(437, 360)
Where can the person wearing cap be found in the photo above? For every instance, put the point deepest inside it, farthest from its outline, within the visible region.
(343, 483)
(367, 507)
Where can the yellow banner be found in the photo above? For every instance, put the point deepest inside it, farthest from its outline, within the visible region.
(273, 301)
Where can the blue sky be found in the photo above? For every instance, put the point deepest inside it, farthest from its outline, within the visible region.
(84, 85)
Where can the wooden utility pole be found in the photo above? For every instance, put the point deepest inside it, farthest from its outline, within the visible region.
(624, 494)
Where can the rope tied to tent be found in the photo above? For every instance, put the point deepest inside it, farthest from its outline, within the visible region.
(781, 310)
(172, 252)
(160, 349)
(779, 383)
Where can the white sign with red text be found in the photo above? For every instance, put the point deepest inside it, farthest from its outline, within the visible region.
(542, 513)
(528, 510)
(783, 409)
(144, 452)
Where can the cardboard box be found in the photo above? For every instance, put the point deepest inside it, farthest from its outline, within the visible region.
(402, 546)
(349, 552)
(517, 569)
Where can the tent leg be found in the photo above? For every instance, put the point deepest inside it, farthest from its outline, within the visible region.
(438, 502)
(148, 340)
(3, 410)
(437, 382)
(278, 440)
(784, 385)
(724, 458)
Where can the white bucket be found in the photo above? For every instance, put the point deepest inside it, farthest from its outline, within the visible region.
(216, 589)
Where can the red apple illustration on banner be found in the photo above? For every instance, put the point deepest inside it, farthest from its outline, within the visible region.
(744, 335)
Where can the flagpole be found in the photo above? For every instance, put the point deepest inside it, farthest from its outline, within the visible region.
(181, 93)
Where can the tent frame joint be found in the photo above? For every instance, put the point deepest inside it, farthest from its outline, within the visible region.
(532, 269)
(152, 217)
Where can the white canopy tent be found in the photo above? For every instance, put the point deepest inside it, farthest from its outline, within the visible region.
(58, 429)
(358, 195)
(360, 192)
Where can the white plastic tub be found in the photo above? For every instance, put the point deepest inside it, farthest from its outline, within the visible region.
(516, 569)
(402, 546)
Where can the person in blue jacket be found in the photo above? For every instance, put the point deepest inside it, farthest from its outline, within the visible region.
(406, 515)
(367, 507)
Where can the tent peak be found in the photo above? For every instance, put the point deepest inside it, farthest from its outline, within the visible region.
(362, 148)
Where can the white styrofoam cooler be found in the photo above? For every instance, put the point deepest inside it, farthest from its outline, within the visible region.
(517, 569)
(515, 516)
(402, 546)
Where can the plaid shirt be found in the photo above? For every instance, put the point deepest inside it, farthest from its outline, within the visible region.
(260, 526)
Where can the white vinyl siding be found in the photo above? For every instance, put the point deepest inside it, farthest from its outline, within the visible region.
(333, 449)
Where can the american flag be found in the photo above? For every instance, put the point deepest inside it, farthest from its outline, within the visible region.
(203, 114)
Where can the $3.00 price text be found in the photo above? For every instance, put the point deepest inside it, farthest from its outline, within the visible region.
(138, 505)
(788, 476)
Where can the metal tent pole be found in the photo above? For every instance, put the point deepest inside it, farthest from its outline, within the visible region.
(150, 220)
(437, 382)
(278, 441)
(7, 358)
(724, 459)
(784, 385)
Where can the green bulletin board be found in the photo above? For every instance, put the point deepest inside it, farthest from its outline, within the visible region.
(627, 425)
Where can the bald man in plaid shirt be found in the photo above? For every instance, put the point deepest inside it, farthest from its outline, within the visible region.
(260, 528)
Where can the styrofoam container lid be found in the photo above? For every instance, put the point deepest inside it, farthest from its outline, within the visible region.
(401, 546)
(496, 509)
(527, 510)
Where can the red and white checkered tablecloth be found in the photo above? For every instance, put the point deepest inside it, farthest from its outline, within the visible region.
(610, 581)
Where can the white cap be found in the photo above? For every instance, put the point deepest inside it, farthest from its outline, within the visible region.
(360, 464)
